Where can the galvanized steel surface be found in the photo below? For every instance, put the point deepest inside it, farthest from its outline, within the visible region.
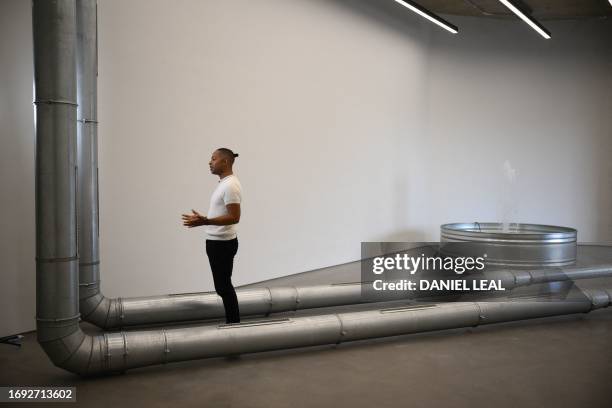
(87, 151)
(123, 312)
(119, 351)
(511, 245)
(57, 307)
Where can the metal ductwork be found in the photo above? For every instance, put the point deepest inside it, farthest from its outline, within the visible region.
(56, 48)
(87, 158)
(264, 301)
(125, 350)
(57, 308)
(111, 313)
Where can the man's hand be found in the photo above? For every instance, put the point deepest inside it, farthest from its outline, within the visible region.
(194, 220)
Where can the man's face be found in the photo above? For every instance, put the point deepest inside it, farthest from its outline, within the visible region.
(216, 163)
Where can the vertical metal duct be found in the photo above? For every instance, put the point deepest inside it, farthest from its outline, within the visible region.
(57, 307)
(264, 301)
(87, 155)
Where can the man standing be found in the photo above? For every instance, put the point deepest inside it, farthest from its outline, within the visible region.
(221, 239)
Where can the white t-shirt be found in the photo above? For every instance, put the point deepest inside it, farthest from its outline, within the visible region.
(228, 191)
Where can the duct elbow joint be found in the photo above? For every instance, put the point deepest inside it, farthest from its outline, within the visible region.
(68, 347)
(106, 313)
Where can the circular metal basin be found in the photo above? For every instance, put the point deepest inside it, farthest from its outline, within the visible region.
(511, 245)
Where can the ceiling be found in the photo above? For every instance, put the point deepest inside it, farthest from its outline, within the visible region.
(541, 9)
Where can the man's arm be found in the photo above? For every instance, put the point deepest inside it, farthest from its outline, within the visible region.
(232, 216)
(196, 219)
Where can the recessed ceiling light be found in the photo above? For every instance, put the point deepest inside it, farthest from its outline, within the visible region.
(423, 12)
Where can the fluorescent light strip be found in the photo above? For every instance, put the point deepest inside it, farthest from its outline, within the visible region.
(534, 24)
(430, 16)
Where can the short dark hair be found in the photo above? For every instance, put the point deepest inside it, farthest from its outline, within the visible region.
(228, 154)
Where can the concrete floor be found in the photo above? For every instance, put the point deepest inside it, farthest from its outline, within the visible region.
(553, 362)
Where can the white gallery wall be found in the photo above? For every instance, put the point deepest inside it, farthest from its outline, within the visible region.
(320, 100)
(352, 125)
(519, 128)
(17, 153)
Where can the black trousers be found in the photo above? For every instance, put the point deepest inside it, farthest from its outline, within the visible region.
(221, 258)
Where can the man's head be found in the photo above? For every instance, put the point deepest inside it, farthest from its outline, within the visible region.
(221, 161)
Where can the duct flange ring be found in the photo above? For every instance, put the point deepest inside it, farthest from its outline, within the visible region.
(107, 354)
(342, 331)
(297, 298)
(62, 320)
(270, 303)
(55, 102)
(125, 347)
(86, 121)
(120, 310)
(166, 348)
(57, 260)
(89, 263)
(481, 315)
(88, 284)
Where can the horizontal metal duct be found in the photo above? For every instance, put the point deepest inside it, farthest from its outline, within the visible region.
(78, 352)
(111, 313)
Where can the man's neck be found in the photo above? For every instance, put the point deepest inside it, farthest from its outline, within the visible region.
(225, 174)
